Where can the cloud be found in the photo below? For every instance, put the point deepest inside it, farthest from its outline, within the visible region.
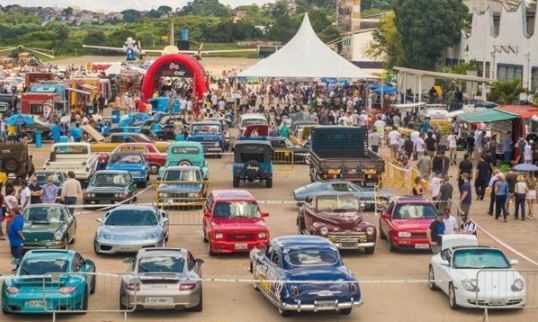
(118, 5)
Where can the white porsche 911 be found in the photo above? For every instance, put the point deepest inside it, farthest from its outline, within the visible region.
(476, 276)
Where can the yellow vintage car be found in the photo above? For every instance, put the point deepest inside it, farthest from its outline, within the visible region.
(101, 144)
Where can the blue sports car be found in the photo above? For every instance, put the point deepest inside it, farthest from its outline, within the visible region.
(304, 273)
(366, 195)
(49, 280)
(132, 162)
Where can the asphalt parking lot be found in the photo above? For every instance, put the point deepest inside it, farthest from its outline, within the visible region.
(392, 283)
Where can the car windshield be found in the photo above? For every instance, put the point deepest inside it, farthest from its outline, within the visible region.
(44, 215)
(161, 264)
(127, 158)
(187, 175)
(480, 258)
(110, 180)
(184, 150)
(43, 266)
(233, 209)
(338, 203)
(131, 217)
(312, 257)
(131, 148)
(205, 129)
(70, 149)
(415, 211)
(42, 178)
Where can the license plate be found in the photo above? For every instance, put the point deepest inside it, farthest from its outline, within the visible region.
(422, 246)
(241, 246)
(159, 300)
(326, 304)
(252, 168)
(496, 302)
(36, 303)
(349, 245)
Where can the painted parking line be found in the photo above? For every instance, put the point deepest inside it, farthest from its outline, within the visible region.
(507, 246)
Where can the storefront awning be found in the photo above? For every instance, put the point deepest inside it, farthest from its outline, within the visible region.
(523, 111)
(487, 116)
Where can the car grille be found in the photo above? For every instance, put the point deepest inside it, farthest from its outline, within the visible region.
(494, 303)
(179, 195)
(419, 234)
(104, 195)
(241, 236)
(350, 239)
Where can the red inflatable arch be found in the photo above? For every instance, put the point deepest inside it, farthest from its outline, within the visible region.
(174, 65)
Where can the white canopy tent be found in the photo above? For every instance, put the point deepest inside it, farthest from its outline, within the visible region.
(305, 56)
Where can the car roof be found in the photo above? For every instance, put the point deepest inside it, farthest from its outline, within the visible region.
(334, 193)
(220, 195)
(186, 144)
(411, 199)
(111, 172)
(206, 122)
(72, 144)
(182, 167)
(160, 251)
(133, 207)
(293, 241)
(253, 115)
(48, 253)
(41, 205)
(247, 142)
(128, 153)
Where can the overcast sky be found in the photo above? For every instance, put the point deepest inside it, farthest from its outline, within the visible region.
(118, 5)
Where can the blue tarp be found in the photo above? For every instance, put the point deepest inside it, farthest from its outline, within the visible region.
(383, 89)
(20, 119)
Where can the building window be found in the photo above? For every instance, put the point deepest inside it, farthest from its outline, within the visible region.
(531, 18)
(479, 66)
(534, 80)
(36, 108)
(496, 24)
(506, 72)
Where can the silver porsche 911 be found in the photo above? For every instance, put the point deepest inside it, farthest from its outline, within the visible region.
(162, 278)
(126, 229)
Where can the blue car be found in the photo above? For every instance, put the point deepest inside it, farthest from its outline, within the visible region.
(253, 162)
(134, 119)
(49, 280)
(304, 273)
(210, 134)
(132, 162)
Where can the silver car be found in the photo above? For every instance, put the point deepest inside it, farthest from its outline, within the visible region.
(162, 278)
(126, 229)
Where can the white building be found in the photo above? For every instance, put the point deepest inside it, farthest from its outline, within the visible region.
(503, 41)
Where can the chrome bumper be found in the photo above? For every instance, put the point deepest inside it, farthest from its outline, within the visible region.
(316, 308)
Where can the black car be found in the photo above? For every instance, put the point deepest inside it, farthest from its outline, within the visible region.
(284, 151)
(109, 186)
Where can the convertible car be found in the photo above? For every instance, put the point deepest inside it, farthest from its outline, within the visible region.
(163, 278)
(304, 273)
(476, 276)
(365, 195)
(49, 280)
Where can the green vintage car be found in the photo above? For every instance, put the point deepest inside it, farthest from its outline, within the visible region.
(185, 153)
(48, 226)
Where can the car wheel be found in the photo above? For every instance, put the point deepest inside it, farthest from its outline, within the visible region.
(392, 248)
(283, 313)
(204, 234)
(431, 279)
(200, 306)
(236, 182)
(5, 310)
(123, 307)
(452, 297)
(345, 311)
(210, 250)
(369, 250)
(93, 284)
(382, 235)
(269, 183)
(95, 248)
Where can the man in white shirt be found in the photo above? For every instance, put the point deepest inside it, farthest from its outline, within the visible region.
(435, 185)
(420, 146)
(452, 147)
(394, 142)
(451, 223)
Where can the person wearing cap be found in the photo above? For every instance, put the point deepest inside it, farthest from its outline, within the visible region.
(520, 191)
(16, 238)
(435, 233)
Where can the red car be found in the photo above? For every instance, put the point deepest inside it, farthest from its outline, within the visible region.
(153, 156)
(405, 223)
(233, 222)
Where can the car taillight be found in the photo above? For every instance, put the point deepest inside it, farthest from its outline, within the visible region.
(187, 286)
(66, 290)
(133, 286)
(219, 236)
(262, 235)
(12, 290)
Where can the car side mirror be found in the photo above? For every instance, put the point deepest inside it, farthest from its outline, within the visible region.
(89, 262)
(514, 262)
(308, 200)
(199, 261)
(444, 262)
(164, 214)
(265, 214)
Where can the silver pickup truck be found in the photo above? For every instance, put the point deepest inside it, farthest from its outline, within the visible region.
(76, 157)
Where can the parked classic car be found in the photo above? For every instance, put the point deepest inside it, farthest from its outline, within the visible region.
(210, 134)
(132, 162)
(304, 273)
(163, 278)
(182, 186)
(253, 162)
(48, 226)
(406, 221)
(185, 153)
(233, 222)
(49, 280)
(154, 158)
(476, 276)
(109, 186)
(336, 216)
(101, 144)
(251, 119)
(368, 196)
(126, 229)
(286, 152)
(76, 157)
(58, 177)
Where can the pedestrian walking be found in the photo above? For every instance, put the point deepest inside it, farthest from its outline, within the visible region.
(531, 195)
(520, 191)
(435, 233)
(445, 195)
(50, 191)
(424, 166)
(492, 182)
(16, 238)
(450, 222)
(482, 177)
(71, 190)
(465, 196)
(465, 168)
(501, 194)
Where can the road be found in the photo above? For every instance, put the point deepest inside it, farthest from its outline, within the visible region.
(388, 293)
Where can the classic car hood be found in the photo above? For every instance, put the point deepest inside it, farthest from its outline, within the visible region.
(243, 224)
(125, 166)
(412, 224)
(37, 233)
(180, 187)
(204, 137)
(345, 219)
(129, 232)
(34, 228)
(105, 189)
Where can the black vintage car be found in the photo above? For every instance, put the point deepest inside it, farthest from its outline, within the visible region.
(109, 186)
(253, 162)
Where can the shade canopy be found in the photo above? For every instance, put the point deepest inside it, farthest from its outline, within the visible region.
(487, 116)
(305, 56)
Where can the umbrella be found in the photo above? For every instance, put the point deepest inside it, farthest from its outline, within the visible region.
(525, 167)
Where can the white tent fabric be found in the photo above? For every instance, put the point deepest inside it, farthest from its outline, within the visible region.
(305, 56)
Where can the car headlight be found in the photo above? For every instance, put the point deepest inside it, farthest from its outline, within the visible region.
(163, 194)
(219, 236)
(105, 236)
(324, 230)
(117, 195)
(58, 235)
(193, 195)
(404, 234)
(217, 144)
(518, 285)
(262, 235)
(470, 285)
(370, 230)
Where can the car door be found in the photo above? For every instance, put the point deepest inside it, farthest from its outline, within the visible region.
(443, 272)
(207, 213)
(194, 265)
(384, 219)
(307, 209)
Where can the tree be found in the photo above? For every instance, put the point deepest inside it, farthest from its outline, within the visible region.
(387, 43)
(94, 37)
(505, 92)
(131, 15)
(62, 34)
(427, 28)
(153, 14)
(164, 10)
(206, 8)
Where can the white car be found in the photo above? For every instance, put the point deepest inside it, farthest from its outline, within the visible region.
(476, 276)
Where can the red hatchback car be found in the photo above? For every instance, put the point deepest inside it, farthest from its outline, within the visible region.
(405, 223)
(233, 222)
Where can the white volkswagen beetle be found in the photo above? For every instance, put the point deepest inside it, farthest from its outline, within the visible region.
(476, 276)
